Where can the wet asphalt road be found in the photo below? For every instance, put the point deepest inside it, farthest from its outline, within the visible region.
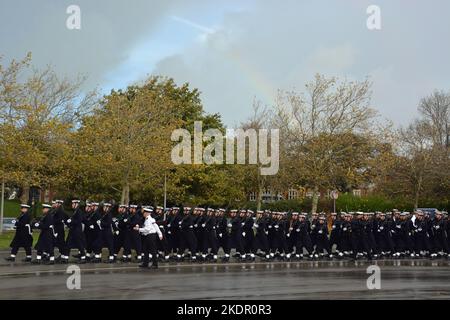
(400, 279)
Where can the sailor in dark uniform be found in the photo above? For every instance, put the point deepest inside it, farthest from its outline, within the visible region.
(46, 236)
(75, 238)
(322, 241)
(105, 235)
(133, 239)
(90, 230)
(383, 236)
(119, 230)
(420, 235)
(336, 233)
(59, 220)
(292, 236)
(261, 241)
(235, 231)
(162, 244)
(209, 236)
(223, 238)
(440, 245)
(249, 235)
(23, 237)
(188, 240)
(303, 238)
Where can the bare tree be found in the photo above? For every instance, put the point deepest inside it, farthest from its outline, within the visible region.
(318, 129)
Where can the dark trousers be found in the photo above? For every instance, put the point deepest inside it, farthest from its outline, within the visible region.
(14, 250)
(149, 247)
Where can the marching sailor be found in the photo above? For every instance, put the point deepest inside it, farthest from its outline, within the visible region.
(23, 237)
(150, 231)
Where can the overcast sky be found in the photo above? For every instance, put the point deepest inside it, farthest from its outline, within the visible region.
(234, 51)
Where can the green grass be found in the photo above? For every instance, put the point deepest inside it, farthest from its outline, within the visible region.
(12, 208)
(5, 239)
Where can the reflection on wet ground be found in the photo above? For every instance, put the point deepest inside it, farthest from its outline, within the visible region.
(400, 279)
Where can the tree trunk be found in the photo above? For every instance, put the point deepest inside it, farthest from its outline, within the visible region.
(259, 197)
(25, 196)
(315, 200)
(125, 199)
(417, 193)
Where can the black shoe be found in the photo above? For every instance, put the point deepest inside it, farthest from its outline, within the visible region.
(77, 256)
(64, 261)
(96, 260)
(154, 266)
(111, 261)
(26, 260)
(10, 259)
(49, 262)
(143, 265)
(82, 261)
(36, 262)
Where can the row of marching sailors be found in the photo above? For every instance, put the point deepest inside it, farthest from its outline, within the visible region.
(393, 234)
(200, 233)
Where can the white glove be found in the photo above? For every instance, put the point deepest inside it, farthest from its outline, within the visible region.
(320, 232)
(117, 232)
(169, 232)
(298, 230)
(13, 222)
(333, 227)
(91, 226)
(288, 235)
(203, 225)
(191, 227)
(168, 225)
(242, 223)
(267, 232)
(69, 220)
(195, 225)
(276, 227)
(344, 229)
(229, 225)
(125, 220)
(36, 224)
(381, 228)
(220, 235)
(243, 234)
(255, 225)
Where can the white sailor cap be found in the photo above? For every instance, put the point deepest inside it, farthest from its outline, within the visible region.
(175, 208)
(187, 208)
(24, 206)
(134, 206)
(404, 213)
(59, 201)
(295, 213)
(322, 218)
(53, 201)
(250, 211)
(359, 213)
(233, 210)
(46, 206)
(148, 210)
(76, 201)
(159, 208)
(107, 204)
(259, 212)
(96, 204)
(123, 206)
(333, 214)
(303, 215)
